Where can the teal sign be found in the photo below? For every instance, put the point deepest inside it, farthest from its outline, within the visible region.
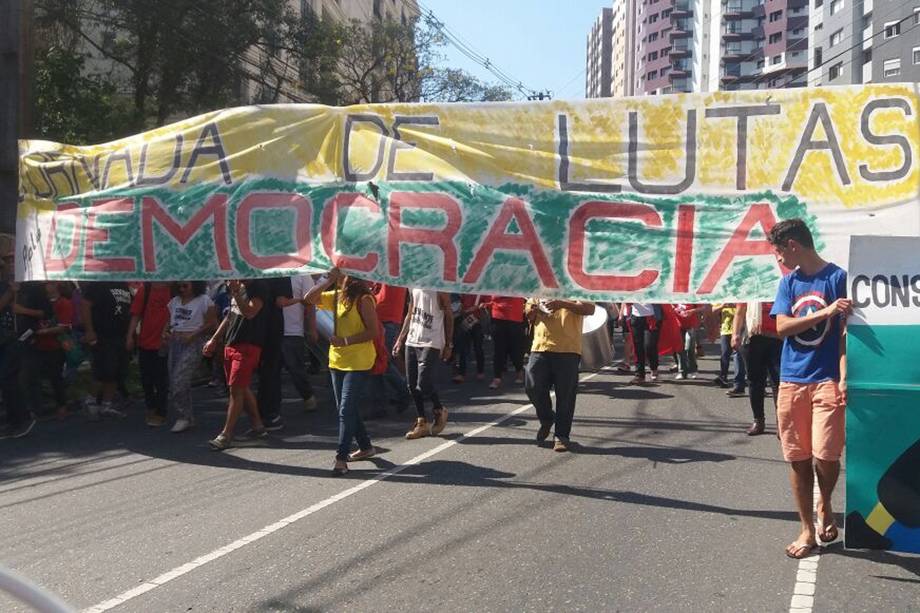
(883, 413)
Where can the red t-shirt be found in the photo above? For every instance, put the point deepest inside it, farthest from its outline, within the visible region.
(63, 315)
(507, 308)
(767, 323)
(156, 317)
(391, 303)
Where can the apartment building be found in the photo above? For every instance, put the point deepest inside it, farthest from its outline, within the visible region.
(873, 41)
(599, 55)
(623, 62)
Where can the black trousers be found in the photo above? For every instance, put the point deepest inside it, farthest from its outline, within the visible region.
(508, 337)
(421, 368)
(762, 355)
(463, 339)
(16, 411)
(154, 373)
(646, 344)
(269, 396)
(547, 371)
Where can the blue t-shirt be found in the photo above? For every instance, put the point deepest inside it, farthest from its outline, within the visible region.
(811, 356)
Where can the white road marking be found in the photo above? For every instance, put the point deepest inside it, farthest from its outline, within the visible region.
(806, 578)
(290, 519)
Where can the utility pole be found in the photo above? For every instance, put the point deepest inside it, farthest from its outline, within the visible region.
(11, 17)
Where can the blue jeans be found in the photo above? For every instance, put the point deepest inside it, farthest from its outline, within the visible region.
(728, 357)
(392, 381)
(349, 388)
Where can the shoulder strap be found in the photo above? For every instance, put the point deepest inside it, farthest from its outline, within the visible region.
(335, 313)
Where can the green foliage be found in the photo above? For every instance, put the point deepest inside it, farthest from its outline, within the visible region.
(71, 107)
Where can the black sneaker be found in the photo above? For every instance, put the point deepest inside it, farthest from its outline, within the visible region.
(736, 392)
(543, 433)
(273, 424)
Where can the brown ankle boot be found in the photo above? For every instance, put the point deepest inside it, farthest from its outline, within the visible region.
(421, 429)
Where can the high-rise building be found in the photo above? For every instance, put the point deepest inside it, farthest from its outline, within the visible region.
(873, 41)
(598, 56)
(673, 41)
(623, 62)
(764, 44)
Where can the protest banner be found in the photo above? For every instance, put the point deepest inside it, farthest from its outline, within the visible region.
(663, 198)
(883, 382)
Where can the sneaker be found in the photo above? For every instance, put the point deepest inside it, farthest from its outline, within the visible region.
(653, 375)
(756, 428)
(720, 382)
(480, 376)
(92, 411)
(543, 433)
(155, 421)
(560, 445)
(309, 404)
(680, 376)
(673, 369)
(495, 383)
(108, 410)
(362, 454)
(693, 375)
(273, 424)
(736, 392)
(421, 429)
(181, 425)
(18, 431)
(458, 379)
(440, 422)
(637, 380)
(256, 435)
(519, 377)
(220, 442)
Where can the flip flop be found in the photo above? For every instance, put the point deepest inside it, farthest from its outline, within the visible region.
(828, 534)
(798, 550)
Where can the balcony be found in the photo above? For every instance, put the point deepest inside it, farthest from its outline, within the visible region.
(680, 48)
(738, 50)
(682, 28)
(738, 9)
(681, 8)
(681, 68)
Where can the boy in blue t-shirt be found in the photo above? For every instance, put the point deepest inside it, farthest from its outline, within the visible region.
(810, 310)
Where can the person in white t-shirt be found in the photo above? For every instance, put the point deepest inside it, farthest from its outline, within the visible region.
(427, 334)
(191, 317)
(299, 319)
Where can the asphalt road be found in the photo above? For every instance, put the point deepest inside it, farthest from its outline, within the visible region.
(664, 505)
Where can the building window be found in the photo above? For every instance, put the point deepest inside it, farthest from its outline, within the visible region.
(652, 56)
(653, 37)
(760, 63)
(664, 71)
(916, 55)
(798, 32)
(819, 56)
(892, 29)
(836, 37)
(835, 71)
(891, 68)
(836, 5)
(917, 16)
(776, 37)
(653, 18)
(666, 13)
(776, 59)
(776, 16)
(652, 75)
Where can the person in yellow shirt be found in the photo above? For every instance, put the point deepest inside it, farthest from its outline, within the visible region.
(726, 314)
(554, 358)
(351, 357)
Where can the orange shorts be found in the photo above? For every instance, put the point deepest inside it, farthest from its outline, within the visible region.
(810, 419)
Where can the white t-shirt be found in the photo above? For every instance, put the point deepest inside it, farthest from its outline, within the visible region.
(426, 327)
(643, 309)
(188, 317)
(293, 315)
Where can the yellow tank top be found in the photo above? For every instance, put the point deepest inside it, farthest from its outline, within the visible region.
(352, 357)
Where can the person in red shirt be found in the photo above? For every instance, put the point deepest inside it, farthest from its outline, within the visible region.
(507, 336)
(150, 309)
(49, 346)
(391, 311)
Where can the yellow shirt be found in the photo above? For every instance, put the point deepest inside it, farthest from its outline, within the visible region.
(556, 333)
(353, 357)
(728, 319)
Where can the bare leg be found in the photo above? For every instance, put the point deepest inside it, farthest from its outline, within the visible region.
(234, 408)
(803, 483)
(252, 409)
(828, 472)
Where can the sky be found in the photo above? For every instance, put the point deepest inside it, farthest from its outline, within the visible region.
(540, 43)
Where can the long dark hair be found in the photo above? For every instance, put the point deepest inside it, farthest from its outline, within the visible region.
(352, 291)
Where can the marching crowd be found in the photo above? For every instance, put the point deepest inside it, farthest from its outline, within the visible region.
(388, 343)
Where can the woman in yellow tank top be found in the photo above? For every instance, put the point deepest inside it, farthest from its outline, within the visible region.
(351, 357)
